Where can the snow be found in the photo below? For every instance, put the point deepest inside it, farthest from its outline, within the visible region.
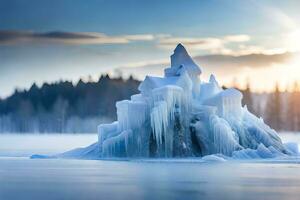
(214, 158)
(179, 116)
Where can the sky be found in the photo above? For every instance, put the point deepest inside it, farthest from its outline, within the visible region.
(255, 41)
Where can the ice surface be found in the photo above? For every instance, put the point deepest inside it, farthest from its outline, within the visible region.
(292, 147)
(179, 116)
(214, 158)
(178, 179)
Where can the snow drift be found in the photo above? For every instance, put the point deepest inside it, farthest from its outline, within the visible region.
(178, 115)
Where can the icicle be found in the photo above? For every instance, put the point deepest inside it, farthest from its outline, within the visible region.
(117, 145)
(159, 120)
(131, 114)
(223, 136)
(172, 95)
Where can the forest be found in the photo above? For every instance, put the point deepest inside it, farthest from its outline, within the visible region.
(64, 107)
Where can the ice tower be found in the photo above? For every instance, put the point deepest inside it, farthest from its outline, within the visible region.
(178, 116)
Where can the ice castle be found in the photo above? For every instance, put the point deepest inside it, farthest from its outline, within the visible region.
(178, 115)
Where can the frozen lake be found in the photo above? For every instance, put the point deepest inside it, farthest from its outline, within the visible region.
(23, 178)
(22, 145)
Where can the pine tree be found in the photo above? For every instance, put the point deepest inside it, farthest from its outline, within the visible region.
(247, 98)
(274, 109)
(291, 114)
(297, 109)
(293, 109)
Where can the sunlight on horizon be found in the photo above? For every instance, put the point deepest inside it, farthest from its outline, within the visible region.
(264, 79)
(69, 49)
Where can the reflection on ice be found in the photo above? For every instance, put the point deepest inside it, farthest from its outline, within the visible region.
(153, 179)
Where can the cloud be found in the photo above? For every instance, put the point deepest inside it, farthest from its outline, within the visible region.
(231, 45)
(209, 45)
(213, 45)
(140, 37)
(249, 60)
(191, 43)
(145, 63)
(237, 38)
(74, 38)
(216, 63)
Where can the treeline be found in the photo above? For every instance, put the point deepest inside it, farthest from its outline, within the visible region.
(64, 107)
(280, 110)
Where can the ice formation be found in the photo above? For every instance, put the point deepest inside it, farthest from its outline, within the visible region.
(179, 116)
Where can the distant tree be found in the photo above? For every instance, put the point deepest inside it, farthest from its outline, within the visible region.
(247, 97)
(293, 109)
(60, 112)
(274, 109)
(51, 105)
(23, 115)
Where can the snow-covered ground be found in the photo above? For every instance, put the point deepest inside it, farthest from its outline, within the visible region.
(24, 145)
(24, 178)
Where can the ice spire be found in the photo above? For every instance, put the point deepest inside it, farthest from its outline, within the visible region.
(212, 79)
(180, 58)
